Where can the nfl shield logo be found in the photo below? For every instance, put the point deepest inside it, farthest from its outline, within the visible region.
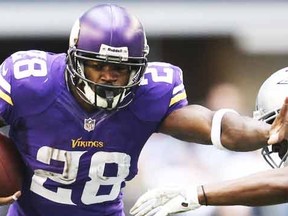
(89, 124)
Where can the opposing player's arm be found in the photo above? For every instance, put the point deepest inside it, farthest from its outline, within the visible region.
(264, 188)
(193, 123)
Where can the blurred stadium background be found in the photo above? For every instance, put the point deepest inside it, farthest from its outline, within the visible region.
(235, 44)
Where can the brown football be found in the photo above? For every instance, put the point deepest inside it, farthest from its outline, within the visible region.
(11, 167)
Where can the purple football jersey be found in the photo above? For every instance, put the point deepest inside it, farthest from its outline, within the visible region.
(78, 162)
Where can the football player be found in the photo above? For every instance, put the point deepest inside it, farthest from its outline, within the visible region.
(264, 188)
(81, 119)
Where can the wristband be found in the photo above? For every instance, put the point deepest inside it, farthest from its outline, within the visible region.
(205, 197)
(216, 127)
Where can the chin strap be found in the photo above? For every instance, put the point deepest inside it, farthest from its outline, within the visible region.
(109, 98)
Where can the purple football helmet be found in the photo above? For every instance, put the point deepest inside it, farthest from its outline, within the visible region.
(107, 33)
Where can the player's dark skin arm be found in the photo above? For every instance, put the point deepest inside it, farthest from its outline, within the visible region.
(264, 188)
(193, 124)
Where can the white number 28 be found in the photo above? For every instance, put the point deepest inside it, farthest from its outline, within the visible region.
(69, 173)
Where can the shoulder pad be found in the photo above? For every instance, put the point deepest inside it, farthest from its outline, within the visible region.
(161, 91)
(34, 79)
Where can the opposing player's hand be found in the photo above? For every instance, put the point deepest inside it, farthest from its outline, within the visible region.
(166, 200)
(10, 199)
(279, 128)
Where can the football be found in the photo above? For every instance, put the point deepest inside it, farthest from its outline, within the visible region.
(11, 167)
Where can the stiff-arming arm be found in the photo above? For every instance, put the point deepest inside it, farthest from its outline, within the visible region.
(238, 133)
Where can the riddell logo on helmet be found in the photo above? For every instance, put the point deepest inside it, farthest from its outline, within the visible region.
(115, 50)
(119, 52)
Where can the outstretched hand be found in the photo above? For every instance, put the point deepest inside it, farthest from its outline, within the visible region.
(10, 199)
(279, 128)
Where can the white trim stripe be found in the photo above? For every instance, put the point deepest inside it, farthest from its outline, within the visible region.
(178, 88)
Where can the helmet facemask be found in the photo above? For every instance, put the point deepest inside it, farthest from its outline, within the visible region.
(275, 155)
(103, 96)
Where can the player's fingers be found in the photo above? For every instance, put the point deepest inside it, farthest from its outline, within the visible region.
(162, 212)
(10, 199)
(143, 208)
(281, 117)
(282, 113)
(154, 211)
(285, 120)
(135, 208)
(279, 130)
(284, 109)
(16, 195)
(273, 139)
(146, 199)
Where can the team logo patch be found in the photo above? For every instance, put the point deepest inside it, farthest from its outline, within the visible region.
(89, 124)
